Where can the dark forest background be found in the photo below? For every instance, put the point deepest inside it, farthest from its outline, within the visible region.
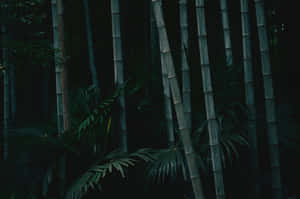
(31, 30)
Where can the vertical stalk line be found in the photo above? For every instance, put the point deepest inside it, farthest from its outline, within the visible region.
(167, 102)
(147, 51)
(63, 59)
(226, 32)
(58, 70)
(6, 103)
(185, 69)
(272, 129)
(119, 69)
(250, 97)
(167, 105)
(89, 36)
(12, 86)
(176, 96)
(213, 128)
(63, 115)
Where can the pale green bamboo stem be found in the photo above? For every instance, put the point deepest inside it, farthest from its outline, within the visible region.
(63, 116)
(213, 128)
(62, 55)
(250, 97)
(269, 100)
(5, 91)
(58, 69)
(176, 96)
(185, 69)
(167, 103)
(12, 86)
(226, 32)
(118, 68)
(89, 36)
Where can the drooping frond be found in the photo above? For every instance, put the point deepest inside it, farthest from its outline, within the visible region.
(168, 163)
(233, 130)
(98, 115)
(115, 161)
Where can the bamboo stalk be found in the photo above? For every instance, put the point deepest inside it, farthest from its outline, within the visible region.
(147, 46)
(176, 96)
(63, 115)
(226, 32)
(90, 44)
(213, 128)
(167, 101)
(118, 68)
(92, 65)
(64, 72)
(6, 103)
(12, 86)
(167, 105)
(186, 81)
(250, 97)
(269, 100)
(58, 69)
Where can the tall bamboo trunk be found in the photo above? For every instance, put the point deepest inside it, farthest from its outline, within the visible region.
(58, 70)
(213, 128)
(5, 91)
(250, 98)
(118, 68)
(167, 103)
(155, 56)
(186, 81)
(63, 116)
(64, 74)
(12, 89)
(147, 55)
(90, 44)
(226, 32)
(269, 100)
(92, 65)
(167, 63)
(11, 71)
(153, 39)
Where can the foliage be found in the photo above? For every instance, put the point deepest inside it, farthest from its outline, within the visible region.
(98, 114)
(170, 163)
(115, 161)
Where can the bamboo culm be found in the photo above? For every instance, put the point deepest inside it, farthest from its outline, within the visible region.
(185, 69)
(272, 129)
(89, 36)
(62, 57)
(58, 70)
(167, 103)
(213, 128)
(6, 103)
(176, 96)
(250, 97)
(118, 69)
(12, 89)
(63, 115)
(226, 32)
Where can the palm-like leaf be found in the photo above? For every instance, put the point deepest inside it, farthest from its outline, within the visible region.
(98, 114)
(232, 123)
(171, 163)
(168, 162)
(115, 161)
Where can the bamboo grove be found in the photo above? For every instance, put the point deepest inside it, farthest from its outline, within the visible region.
(192, 124)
